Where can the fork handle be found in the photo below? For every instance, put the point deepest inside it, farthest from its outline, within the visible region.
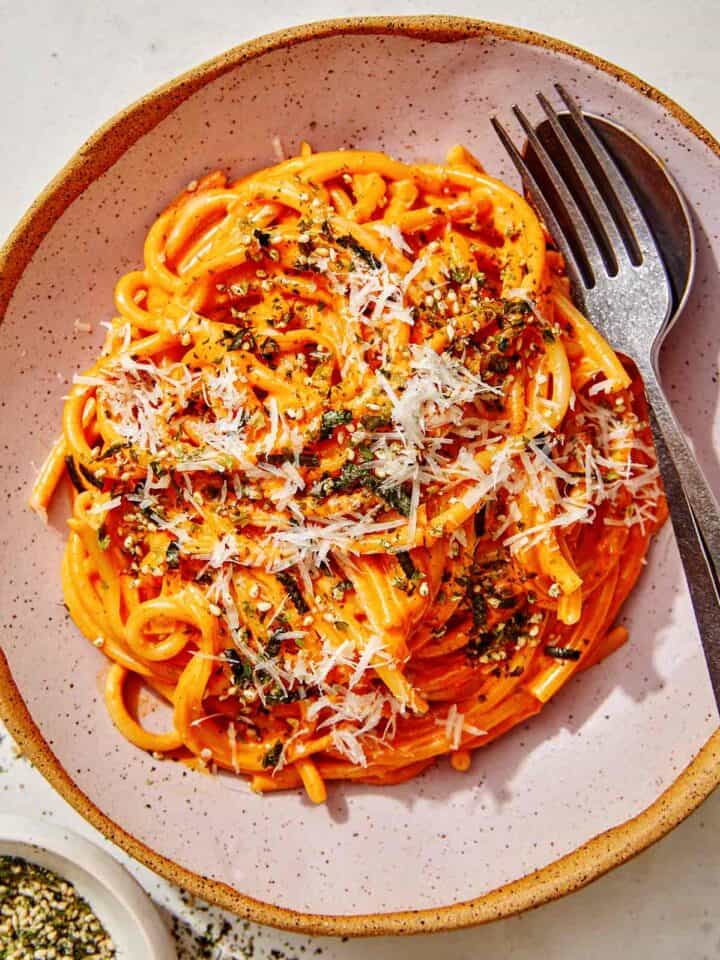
(674, 449)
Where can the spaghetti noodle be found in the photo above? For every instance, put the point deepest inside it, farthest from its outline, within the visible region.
(353, 477)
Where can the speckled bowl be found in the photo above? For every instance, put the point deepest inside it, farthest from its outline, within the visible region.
(616, 760)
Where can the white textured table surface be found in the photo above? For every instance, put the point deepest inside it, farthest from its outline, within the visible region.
(65, 67)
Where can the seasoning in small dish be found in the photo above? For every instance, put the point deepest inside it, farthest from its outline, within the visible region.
(42, 915)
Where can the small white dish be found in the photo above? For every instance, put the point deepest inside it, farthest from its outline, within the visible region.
(126, 912)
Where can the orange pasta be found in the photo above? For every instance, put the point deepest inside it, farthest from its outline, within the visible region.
(353, 476)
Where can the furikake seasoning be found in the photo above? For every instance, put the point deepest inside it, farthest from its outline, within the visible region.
(42, 917)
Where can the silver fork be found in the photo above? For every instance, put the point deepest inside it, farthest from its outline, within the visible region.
(620, 282)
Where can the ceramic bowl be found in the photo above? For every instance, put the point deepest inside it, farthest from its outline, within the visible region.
(617, 759)
(118, 900)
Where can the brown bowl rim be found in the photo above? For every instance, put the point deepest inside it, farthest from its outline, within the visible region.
(572, 871)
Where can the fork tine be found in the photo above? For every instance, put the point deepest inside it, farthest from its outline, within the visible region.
(601, 214)
(626, 203)
(581, 268)
(590, 246)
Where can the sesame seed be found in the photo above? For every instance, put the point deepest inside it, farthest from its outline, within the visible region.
(214, 609)
(263, 606)
(99, 642)
(206, 753)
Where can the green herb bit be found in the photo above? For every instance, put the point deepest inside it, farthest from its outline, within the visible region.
(103, 537)
(272, 647)
(498, 364)
(75, 477)
(562, 653)
(374, 421)
(243, 339)
(507, 603)
(517, 306)
(397, 498)
(340, 589)
(242, 672)
(272, 755)
(113, 449)
(269, 348)
(408, 567)
(278, 695)
(154, 516)
(305, 459)
(332, 419)
(350, 243)
(459, 274)
(293, 591)
(172, 555)
(478, 605)
(479, 522)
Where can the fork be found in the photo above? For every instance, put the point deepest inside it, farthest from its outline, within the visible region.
(619, 279)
